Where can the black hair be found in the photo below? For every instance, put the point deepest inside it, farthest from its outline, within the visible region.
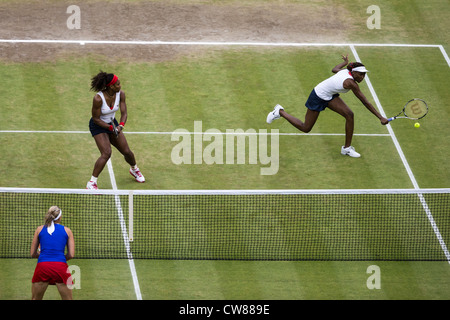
(352, 65)
(99, 82)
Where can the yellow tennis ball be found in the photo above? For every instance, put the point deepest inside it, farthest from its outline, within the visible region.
(417, 125)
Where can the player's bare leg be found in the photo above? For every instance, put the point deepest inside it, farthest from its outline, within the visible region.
(339, 106)
(310, 119)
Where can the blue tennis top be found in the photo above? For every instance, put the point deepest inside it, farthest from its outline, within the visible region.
(53, 246)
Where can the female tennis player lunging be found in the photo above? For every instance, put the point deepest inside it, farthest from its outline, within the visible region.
(52, 268)
(326, 94)
(107, 101)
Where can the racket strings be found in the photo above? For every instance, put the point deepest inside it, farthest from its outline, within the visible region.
(416, 109)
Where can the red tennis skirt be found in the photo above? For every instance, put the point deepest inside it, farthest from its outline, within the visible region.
(52, 272)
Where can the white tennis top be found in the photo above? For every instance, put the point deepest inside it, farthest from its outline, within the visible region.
(108, 114)
(334, 84)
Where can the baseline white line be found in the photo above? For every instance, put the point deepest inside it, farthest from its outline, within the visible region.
(405, 163)
(123, 226)
(207, 133)
(214, 43)
(224, 43)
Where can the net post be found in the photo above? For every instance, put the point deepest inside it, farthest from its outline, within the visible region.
(130, 216)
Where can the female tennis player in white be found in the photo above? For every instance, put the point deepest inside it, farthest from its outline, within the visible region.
(52, 238)
(326, 94)
(109, 99)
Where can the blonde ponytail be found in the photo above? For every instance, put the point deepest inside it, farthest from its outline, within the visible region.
(51, 215)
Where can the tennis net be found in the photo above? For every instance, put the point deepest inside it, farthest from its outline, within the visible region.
(401, 225)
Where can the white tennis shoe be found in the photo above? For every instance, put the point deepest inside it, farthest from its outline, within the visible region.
(275, 114)
(136, 173)
(92, 185)
(350, 151)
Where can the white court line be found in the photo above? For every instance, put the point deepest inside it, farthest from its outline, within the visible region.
(214, 43)
(444, 53)
(390, 130)
(405, 163)
(123, 226)
(224, 43)
(206, 133)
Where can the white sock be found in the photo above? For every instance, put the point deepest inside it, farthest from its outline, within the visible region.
(94, 179)
(134, 167)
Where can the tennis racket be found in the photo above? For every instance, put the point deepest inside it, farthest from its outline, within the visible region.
(114, 128)
(414, 109)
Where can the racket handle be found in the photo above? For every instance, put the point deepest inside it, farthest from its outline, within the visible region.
(390, 119)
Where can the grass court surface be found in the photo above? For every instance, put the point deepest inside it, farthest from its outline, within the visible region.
(45, 143)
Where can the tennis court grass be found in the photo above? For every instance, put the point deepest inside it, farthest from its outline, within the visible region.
(410, 75)
(246, 93)
(227, 89)
(222, 95)
(239, 280)
(281, 280)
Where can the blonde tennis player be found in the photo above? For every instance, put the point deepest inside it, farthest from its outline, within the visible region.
(326, 95)
(49, 243)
